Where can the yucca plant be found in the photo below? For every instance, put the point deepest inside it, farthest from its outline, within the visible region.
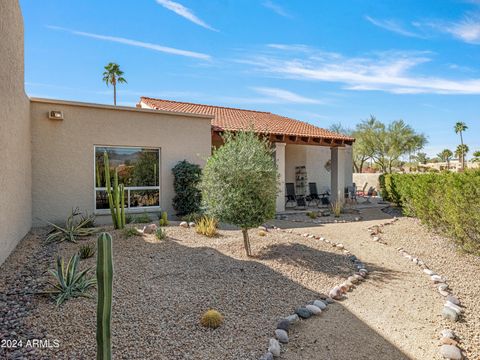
(86, 251)
(69, 282)
(207, 226)
(73, 228)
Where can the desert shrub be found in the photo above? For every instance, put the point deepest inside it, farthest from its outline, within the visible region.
(240, 183)
(88, 220)
(161, 234)
(142, 219)
(73, 228)
(130, 231)
(207, 226)
(86, 251)
(262, 233)
(129, 218)
(447, 202)
(337, 207)
(68, 281)
(187, 194)
(312, 214)
(211, 319)
(163, 219)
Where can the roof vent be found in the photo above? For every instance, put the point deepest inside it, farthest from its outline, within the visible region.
(55, 115)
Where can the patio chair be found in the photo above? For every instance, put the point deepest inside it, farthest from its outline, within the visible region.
(362, 192)
(313, 195)
(291, 196)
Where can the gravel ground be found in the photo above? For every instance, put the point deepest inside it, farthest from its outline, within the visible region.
(162, 287)
(398, 309)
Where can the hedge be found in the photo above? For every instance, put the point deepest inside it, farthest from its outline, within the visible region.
(187, 194)
(446, 202)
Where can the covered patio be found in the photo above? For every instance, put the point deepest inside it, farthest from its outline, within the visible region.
(304, 153)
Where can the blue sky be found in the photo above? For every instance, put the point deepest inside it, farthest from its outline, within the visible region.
(319, 61)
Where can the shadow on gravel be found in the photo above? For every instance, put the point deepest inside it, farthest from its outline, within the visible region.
(161, 289)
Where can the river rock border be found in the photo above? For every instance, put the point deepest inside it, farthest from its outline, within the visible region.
(452, 308)
(317, 306)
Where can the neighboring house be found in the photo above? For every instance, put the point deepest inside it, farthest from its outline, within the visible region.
(326, 156)
(52, 150)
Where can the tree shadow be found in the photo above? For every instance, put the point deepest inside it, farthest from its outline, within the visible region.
(161, 289)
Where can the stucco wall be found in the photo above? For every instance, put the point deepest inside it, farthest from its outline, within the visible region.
(15, 173)
(370, 179)
(63, 151)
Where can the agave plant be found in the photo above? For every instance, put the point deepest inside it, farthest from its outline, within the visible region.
(69, 282)
(72, 229)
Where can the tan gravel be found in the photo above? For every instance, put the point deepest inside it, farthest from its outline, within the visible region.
(161, 288)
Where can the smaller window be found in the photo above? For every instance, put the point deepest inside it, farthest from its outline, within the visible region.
(138, 169)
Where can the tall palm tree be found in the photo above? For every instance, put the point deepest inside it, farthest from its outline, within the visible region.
(446, 155)
(113, 75)
(461, 151)
(460, 127)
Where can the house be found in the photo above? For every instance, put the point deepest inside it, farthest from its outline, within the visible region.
(322, 156)
(52, 150)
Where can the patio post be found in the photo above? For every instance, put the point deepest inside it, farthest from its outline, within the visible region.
(280, 161)
(337, 173)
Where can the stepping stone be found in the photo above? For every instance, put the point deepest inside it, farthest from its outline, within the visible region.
(282, 336)
(450, 352)
(449, 314)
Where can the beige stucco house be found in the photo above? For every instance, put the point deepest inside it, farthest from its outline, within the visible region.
(52, 149)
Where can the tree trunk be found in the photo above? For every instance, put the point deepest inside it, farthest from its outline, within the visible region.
(115, 94)
(246, 242)
(463, 155)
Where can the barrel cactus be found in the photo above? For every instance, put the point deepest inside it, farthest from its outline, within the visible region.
(211, 319)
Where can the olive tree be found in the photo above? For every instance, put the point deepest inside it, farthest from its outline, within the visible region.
(240, 183)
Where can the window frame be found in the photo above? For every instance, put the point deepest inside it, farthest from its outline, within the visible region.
(128, 209)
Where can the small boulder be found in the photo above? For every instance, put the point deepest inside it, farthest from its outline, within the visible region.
(303, 312)
(191, 224)
(267, 356)
(453, 300)
(320, 304)
(314, 309)
(284, 324)
(448, 333)
(457, 308)
(336, 293)
(281, 335)
(449, 314)
(184, 224)
(292, 319)
(450, 352)
(274, 347)
(150, 229)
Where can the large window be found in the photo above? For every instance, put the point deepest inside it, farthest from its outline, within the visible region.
(138, 170)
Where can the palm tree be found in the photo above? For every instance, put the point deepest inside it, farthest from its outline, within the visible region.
(446, 155)
(113, 75)
(476, 156)
(461, 151)
(460, 127)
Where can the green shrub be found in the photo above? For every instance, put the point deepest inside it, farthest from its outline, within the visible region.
(69, 282)
(193, 217)
(312, 214)
(446, 201)
(142, 219)
(73, 228)
(130, 231)
(86, 251)
(163, 219)
(129, 218)
(188, 196)
(161, 234)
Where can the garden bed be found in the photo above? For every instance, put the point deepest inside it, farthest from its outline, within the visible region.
(161, 288)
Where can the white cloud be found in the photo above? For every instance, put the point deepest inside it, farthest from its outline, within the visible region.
(141, 44)
(393, 26)
(185, 12)
(279, 10)
(285, 96)
(387, 71)
(467, 30)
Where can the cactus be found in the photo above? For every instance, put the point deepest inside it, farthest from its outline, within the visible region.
(212, 319)
(104, 302)
(163, 219)
(116, 195)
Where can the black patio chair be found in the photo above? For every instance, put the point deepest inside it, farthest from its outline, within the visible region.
(291, 196)
(313, 195)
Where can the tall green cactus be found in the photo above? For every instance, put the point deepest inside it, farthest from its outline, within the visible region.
(104, 302)
(116, 195)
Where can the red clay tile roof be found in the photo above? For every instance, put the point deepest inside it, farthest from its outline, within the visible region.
(231, 119)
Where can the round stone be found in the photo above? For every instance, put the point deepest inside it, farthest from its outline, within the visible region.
(443, 287)
(449, 314)
(453, 300)
(428, 272)
(447, 333)
(450, 352)
(314, 309)
(292, 319)
(282, 336)
(320, 304)
(267, 356)
(436, 278)
(303, 312)
(443, 292)
(284, 324)
(457, 308)
(274, 347)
